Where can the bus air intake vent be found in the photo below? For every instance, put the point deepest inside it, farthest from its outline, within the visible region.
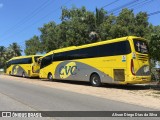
(119, 75)
(142, 57)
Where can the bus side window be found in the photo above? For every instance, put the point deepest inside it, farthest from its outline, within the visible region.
(52, 57)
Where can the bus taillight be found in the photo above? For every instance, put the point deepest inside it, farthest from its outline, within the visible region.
(132, 67)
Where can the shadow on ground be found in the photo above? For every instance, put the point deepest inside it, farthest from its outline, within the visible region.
(116, 86)
(153, 85)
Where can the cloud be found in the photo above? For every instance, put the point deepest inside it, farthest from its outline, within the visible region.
(1, 5)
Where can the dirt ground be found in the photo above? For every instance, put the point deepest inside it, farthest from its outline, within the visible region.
(143, 95)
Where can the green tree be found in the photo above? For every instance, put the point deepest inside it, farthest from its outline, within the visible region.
(154, 44)
(2, 56)
(142, 24)
(105, 27)
(33, 46)
(126, 23)
(80, 26)
(100, 16)
(2, 51)
(7, 53)
(14, 50)
(49, 38)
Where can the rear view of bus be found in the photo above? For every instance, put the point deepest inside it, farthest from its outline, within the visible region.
(139, 62)
(25, 66)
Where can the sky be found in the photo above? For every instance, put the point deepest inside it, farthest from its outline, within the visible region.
(20, 19)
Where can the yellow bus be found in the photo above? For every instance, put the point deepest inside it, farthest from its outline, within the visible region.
(122, 60)
(25, 66)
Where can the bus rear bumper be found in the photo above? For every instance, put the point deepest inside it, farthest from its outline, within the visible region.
(138, 80)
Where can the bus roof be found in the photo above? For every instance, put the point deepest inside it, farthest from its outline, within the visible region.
(92, 44)
(18, 57)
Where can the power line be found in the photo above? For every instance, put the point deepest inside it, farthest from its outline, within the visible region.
(127, 4)
(153, 13)
(145, 2)
(142, 3)
(110, 4)
(39, 19)
(122, 6)
(29, 16)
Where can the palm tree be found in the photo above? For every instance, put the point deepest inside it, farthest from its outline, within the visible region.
(14, 49)
(100, 16)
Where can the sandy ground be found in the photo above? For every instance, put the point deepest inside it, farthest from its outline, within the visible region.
(143, 95)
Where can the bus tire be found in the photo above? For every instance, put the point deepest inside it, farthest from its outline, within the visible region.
(50, 76)
(10, 73)
(95, 80)
(23, 75)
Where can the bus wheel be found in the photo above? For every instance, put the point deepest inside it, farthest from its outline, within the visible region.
(95, 80)
(23, 75)
(10, 73)
(50, 77)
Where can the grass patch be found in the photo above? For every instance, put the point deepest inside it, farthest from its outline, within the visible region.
(158, 92)
(1, 72)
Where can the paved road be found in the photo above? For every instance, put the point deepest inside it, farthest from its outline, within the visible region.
(18, 96)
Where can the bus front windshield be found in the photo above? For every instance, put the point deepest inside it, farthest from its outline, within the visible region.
(140, 46)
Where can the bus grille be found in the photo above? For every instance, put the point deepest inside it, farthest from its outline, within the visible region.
(119, 75)
(142, 57)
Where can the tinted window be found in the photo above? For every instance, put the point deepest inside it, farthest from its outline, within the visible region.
(22, 61)
(118, 48)
(46, 61)
(8, 64)
(140, 46)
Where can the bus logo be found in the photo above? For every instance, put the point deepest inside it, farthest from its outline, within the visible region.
(67, 70)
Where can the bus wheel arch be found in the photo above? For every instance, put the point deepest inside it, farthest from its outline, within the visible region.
(95, 79)
(50, 76)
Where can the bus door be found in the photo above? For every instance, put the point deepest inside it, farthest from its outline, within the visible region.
(35, 65)
(46, 65)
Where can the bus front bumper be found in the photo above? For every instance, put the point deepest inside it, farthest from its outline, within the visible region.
(34, 75)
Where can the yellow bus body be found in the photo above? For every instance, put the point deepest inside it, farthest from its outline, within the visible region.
(25, 66)
(129, 68)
